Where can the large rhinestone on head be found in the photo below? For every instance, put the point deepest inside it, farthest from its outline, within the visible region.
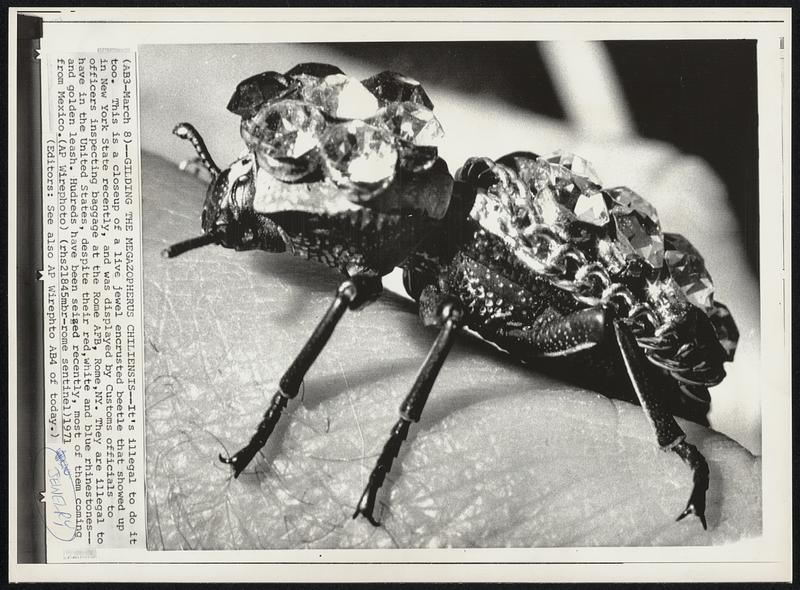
(417, 130)
(724, 326)
(339, 97)
(688, 269)
(411, 122)
(570, 183)
(283, 136)
(252, 93)
(317, 70)
(638, 230)
(393, 87)
(360, 157)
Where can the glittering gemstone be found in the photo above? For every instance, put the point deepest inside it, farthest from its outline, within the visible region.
(638, 230)
(667, 299)
(591, 209)
(317, 70)
(283, 136)
(393, 87)
(570, 183)
(688, 269)
(726, 330)
(417, 130)
(359, 156)
(253, 92)
(580, 167)
(625, 201)
(548, 210)
(411, 122)
(523, 163)
(611, 254)
(339, 96)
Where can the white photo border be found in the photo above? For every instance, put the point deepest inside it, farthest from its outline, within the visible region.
(764, 559)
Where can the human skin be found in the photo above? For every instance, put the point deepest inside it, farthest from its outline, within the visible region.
(504, 456)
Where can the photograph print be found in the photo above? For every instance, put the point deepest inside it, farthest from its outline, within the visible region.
(451, 294)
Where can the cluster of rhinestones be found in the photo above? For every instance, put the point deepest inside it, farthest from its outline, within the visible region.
(314, 121)
(558, 219)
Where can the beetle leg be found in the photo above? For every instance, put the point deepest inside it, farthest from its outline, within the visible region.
(352, 293)
(557, 335)
(451, 314)
(670, 436)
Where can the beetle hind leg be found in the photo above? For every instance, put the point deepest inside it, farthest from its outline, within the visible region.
(697, 501)
(670, 436)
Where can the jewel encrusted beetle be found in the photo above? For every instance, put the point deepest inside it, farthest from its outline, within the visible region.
(529, 252)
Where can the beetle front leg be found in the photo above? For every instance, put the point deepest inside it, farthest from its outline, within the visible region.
(352, 293)
(450, 313)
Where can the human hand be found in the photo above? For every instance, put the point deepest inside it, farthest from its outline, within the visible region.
(503, 456)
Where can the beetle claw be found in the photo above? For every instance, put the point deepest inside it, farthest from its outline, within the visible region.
(236, 462)
(366, 505)
(696, 506)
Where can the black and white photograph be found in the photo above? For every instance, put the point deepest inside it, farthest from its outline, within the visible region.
(412, 295)
(545, 365)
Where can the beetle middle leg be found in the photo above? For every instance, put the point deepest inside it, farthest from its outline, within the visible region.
(450, 314)
(351, 294)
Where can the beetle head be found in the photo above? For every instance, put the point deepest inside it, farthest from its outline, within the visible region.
(226, 202)
(225, 219)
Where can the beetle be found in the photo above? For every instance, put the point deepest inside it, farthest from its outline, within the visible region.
(529, 252)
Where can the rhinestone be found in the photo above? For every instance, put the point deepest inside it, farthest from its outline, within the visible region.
(638, 230)
(567, 182)
(339, 96)
(688, 269)
(417, 130)
(253, 92)
(393, 87)
(317, 70)
(625, 201)
(412, 123)
(283, 136)
(726, 330)
(575, 164)
(591, 209)
(667, 299)
(359, 156)
(519, 162)
(611, 254)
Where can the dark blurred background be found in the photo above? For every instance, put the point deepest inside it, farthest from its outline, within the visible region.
(668, 86)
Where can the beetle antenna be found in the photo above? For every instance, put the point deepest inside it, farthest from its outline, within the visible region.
(186, 245)
(187, 131)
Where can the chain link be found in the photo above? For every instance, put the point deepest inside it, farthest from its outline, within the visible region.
(589, 282)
